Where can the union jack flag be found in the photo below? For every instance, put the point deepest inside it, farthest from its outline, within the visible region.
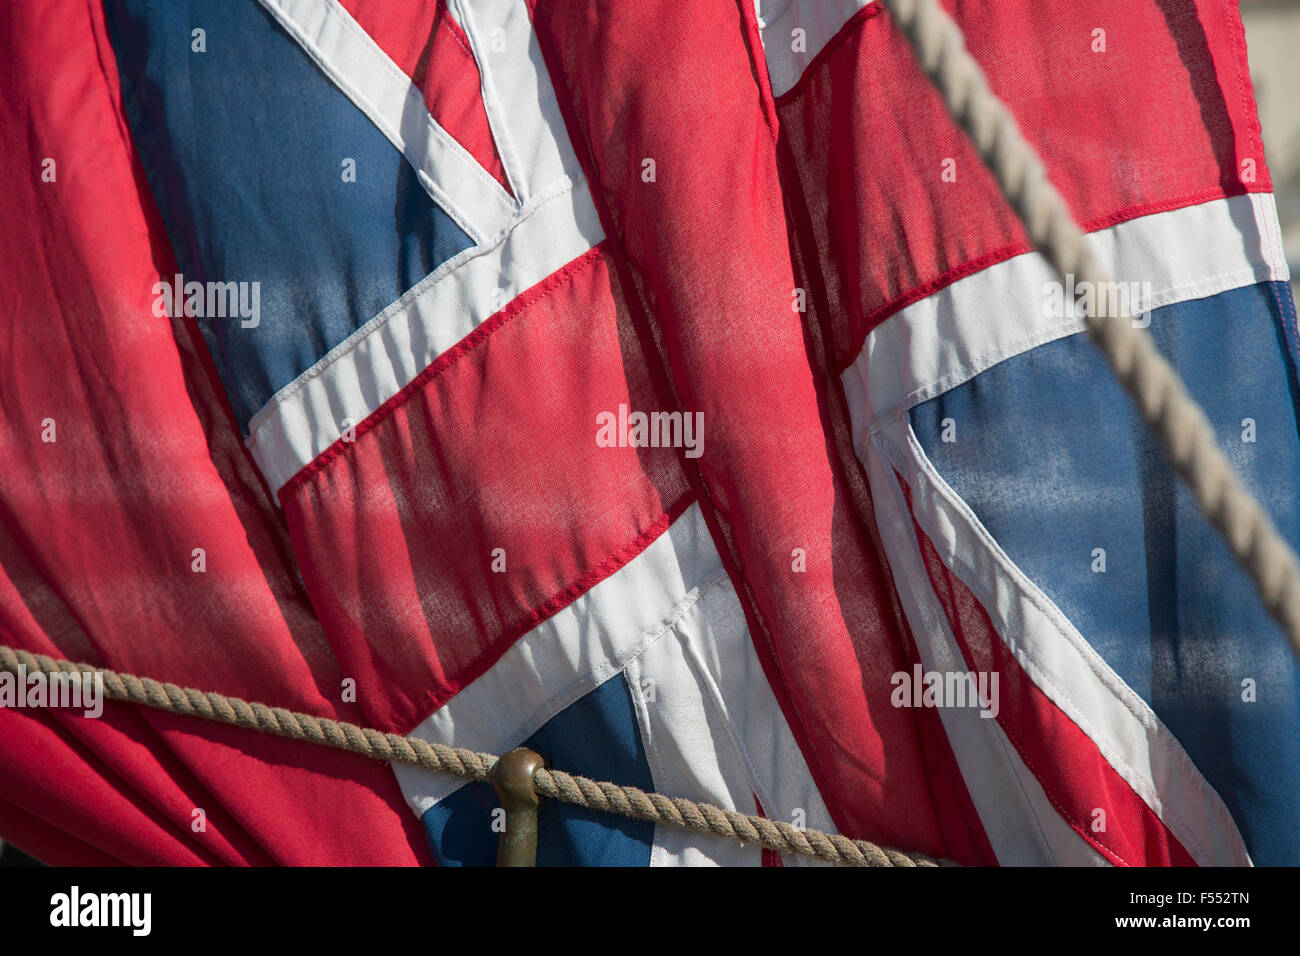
(664, 385)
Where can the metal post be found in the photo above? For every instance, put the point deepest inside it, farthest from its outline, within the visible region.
(513, 778)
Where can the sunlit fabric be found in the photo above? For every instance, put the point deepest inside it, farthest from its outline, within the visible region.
(664, 385)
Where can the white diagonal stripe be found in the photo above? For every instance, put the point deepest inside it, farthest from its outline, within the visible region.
(368, 76)
(374, 363)
(517, 93)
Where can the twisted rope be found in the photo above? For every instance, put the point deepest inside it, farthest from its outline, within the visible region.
(470, 765)
(1169, 411)
(1155, 387)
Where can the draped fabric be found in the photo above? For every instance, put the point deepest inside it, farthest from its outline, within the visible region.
(663, 384)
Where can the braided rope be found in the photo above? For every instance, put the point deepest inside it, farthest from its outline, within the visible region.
(565, 787)
(1169, 411)
(1155, 387)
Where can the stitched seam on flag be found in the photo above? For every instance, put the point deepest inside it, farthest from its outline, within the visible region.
(444, 199)
(1254, 131)
(500, 119)
(706, 682)
(1012, 250)
(553, 605)
(606, 670)
(1286, 306)
(1291, 337)
(1272, 244)
(408, 298)
(632, 672)
(458, 33)
(900, 530)
(498, 126)
(752, 37)
(1005, 743)
(1110, 681)
(937, 491)
(760, 632)
(1010, 733)
(385, 63)
(814, 66)
(618, 663)
(1198, 289)
(940, 491)
(1271, 229)
(632, 676)
(907, 538)
(444, 360)
(1071, 821)
(1015, 740)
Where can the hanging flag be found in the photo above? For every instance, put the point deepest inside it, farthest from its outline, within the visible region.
(665, 386)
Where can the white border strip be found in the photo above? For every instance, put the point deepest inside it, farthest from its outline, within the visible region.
(713, 730)
(368, 76)
(819, 19)
(373, 364)
(1066, 668)
(951, 336)
(1021, 824)
(521, 106)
